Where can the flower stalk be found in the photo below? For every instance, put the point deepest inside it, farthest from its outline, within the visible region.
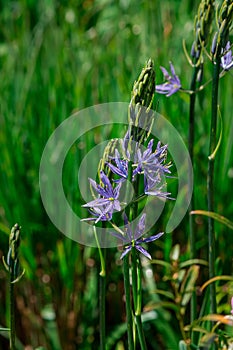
(13, 267)
(129, 318)
(219, 44)
(148, 167)
(202, 28)
(210, 183)
(142, 95)
(102, 304)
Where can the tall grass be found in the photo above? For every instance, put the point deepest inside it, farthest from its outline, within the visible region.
(57, 57)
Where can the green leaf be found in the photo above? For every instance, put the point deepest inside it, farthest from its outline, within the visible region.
(212, 156)
(160, 262)
(167, 294)
(193, 262)
(161, 304)
(214, 279)
(214, 216)
(62, 261)
(188, 284)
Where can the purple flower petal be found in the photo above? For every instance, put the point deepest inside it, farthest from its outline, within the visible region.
(172, 69)
(103, 206)
(126, 251)
(143, 251)
(99, 202)
(165, 73)
(227, 59)
(107, 184)
(172, 83)
(116, 191)
(140, 226)
(151, 238)
(116, 205)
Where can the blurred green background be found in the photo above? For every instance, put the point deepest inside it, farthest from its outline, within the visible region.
(57, 57)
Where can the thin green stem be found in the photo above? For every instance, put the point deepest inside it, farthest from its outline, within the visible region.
(129, 318)
(12, 312)
(192, 239)
(102, 259)
(102, 305)
(102, 292)
(210, 182)
(139, 288)
(137, 296)
(134, 277)
(138, 311)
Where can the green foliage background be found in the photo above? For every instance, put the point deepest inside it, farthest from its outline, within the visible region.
(57, 57)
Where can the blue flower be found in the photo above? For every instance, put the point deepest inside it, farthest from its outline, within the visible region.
(227, 59)
(103, 213)
(103, 206)
(172, 84)
(134, 238)
(121, 167)
(151, 164)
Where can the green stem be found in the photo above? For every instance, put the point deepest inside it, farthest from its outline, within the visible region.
(128, 303)
(102, 259)
(12, 312)
(192, 239)
(137, 296)
(138, 307)
(191, 147)
(102, 304)
(134, 277)
(102, 292)
(210, 182)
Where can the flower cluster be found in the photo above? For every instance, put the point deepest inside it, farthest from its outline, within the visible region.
(130, 161)
(148, 164)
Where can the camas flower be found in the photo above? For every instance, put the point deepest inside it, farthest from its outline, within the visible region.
(100, 214)
(227, 59)
(134, 238)
(172, 83)
(104, 206)
(151, 164)
(121, 167)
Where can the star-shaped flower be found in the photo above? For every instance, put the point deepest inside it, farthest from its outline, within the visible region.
(103, 213)
(134, 239)
(107, 202)
(172, 83)
(227, 59)
(151, 164)
(121, 167)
